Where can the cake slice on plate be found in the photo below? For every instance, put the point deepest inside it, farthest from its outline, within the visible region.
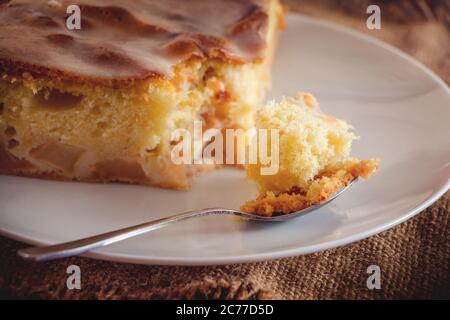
(100, 103)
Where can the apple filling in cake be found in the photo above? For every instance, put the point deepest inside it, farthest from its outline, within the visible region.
(100, 103)
(314, 157)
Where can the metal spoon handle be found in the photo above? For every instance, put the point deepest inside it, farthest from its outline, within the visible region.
(77, 247)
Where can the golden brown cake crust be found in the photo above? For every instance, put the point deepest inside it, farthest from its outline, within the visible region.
(324, 186)
(127, 41)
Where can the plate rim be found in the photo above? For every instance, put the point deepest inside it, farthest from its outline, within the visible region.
(256, 257)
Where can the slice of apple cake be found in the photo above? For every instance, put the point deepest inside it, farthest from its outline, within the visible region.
(100, 103)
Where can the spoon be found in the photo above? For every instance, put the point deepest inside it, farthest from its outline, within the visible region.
(72, 248)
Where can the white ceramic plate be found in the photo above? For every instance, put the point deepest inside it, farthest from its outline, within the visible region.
(399, 108)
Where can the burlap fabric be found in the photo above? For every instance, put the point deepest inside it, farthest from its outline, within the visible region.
(414, 257)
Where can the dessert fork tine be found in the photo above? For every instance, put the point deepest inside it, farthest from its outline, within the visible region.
(72, 248)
